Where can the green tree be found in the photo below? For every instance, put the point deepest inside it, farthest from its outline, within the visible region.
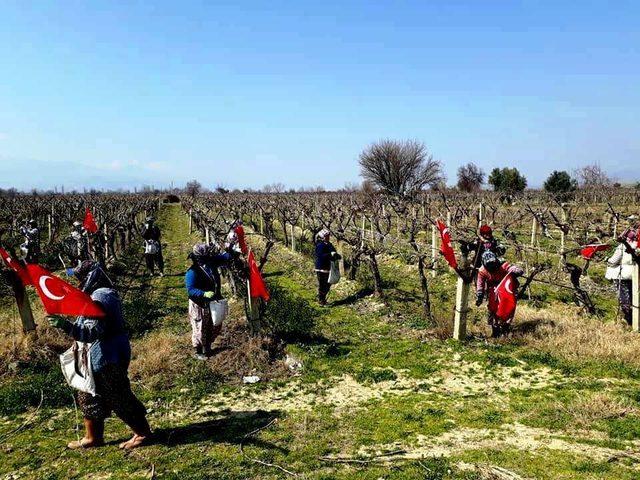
(560, 184)
(507, 180)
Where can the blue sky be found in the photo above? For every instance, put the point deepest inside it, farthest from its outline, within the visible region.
(249, 93)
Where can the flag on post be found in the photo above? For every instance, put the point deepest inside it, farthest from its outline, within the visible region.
(89, 222)
(60, 297)
(588, 251)
(445, 245)
(242, 241)
(16, 267)
(506, 298)
(256, 283)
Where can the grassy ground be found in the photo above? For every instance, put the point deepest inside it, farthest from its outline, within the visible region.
(378, 396)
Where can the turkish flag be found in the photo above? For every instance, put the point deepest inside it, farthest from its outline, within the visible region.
(257, 287)
(60, 297)
(16, 267)
(588, 251)
(241, 239)
(505, 294)
(89, 222)
(445, 247)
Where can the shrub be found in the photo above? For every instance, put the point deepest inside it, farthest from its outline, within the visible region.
(288, 316)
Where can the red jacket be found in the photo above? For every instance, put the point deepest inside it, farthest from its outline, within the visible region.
(487, 281)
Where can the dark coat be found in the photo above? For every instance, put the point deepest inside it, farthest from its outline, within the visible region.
(324, 252)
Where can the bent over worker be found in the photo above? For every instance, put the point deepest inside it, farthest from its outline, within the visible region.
(490, 275)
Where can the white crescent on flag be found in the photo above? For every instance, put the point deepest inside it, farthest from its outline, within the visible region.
(43, 286)
(508, 285)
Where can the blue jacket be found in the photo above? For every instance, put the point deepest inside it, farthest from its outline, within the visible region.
(323, 255)
(205, 278)
(108, 335)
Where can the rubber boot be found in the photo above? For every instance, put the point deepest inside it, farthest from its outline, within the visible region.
(93, 437)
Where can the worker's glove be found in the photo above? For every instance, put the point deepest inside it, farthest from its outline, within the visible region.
(57, 321)
(479, 299)
(208, 294)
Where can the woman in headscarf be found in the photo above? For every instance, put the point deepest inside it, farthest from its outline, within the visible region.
(490, 275)
(110, 354)
(203, 286)
(620, 270)
(325, 253)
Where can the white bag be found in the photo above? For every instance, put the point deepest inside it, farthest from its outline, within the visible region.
(76, 368)
(334, 273)
(151, 247)
(219, 311)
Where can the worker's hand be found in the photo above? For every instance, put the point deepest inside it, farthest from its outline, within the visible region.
(208, 294)
(56, 321)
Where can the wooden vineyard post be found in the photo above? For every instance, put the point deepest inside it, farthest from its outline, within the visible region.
(434, 250)
(463, 286)
(106, 242)
(534, 231)
(635, 297)
(24, 307)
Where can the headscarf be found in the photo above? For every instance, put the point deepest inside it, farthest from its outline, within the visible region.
(486, 231)
(490, 261)
(92, 276)
(322, 234)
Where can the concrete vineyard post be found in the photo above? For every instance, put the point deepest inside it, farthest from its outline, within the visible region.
(340, 249)
(49, 225)
(534, 231)
(563, 236)
(293, 237)
(635, 298)
(615, 226)
(462, 305)
(261, 223)
(206, 235)
(106, 242)
(434, 249)
(480, 213)
(190, 221)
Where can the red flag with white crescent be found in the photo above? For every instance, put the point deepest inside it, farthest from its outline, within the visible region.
(16, 266)
(89, 222)
(60, 297)
(506, 298)
(445, 246)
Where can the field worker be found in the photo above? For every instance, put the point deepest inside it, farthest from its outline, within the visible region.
(110, 354)
(490, 275)
(325, 253)
(78, 243)
(203, 285)
(485, 242)
(153, 247)
(620, 270)
(31, 245)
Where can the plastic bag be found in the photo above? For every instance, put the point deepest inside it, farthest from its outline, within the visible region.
(151, 247)
(219, 311)
(334, 273)
(76, 368)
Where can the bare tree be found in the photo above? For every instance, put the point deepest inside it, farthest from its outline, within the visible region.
(470, 178)
(592, 176)
(400, 167)
(193, 188)
(274, 188)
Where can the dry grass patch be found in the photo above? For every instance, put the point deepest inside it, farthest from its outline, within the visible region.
(566, 333)
(593, 407)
